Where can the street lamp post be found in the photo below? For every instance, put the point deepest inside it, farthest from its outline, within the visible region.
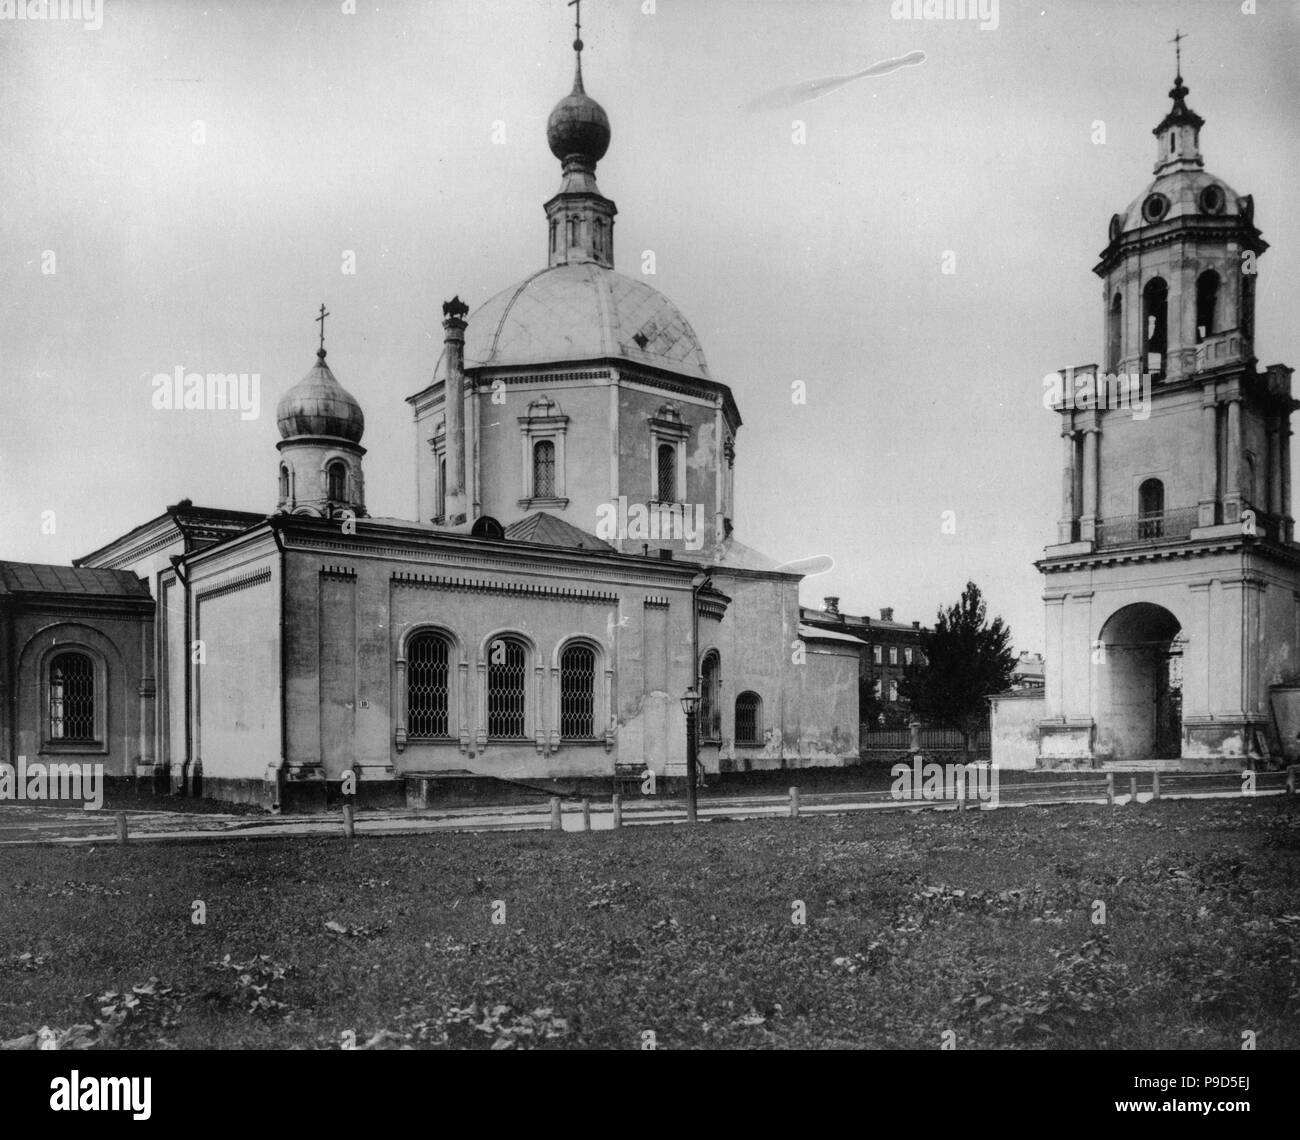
(690, 706)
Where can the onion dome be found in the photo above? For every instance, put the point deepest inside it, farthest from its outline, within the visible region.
(578, 128)
(318, 405)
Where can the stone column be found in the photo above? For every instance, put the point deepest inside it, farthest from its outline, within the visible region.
(1209, 503)
(1232, 461)
(400, 696)
(1273, 477)
(1284, 470)
(1091, 458)
(1069, 510)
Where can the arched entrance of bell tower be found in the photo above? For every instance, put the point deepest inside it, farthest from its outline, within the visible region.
(1139, 693)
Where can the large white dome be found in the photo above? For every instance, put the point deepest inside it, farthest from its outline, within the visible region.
(582, 312)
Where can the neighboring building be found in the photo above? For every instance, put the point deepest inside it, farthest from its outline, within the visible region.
(1028, 674)
(76, 667)
(572, 572)
(1171, 591)
(888, 649)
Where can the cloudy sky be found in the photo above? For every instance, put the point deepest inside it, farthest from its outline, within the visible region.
(199, 172)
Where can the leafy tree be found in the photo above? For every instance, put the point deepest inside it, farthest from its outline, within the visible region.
(964, 660)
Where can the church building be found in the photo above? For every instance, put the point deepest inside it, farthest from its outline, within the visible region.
(1172, 591)
(572, 573)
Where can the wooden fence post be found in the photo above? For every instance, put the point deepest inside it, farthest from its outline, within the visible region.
(1155, 786)
(618, 810)
(121, 827)
(1290, 780)
(1110, 788)
(794, 803)
(1132, 789)
(586, 814)
(349, 830)
(557, 824)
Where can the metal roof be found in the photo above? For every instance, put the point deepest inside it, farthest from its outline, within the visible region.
(548, 530)
(37, 578)
(581, 312)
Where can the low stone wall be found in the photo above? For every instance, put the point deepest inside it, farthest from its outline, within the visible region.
(1013, 726)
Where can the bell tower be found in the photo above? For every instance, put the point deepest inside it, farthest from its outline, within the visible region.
(1171, 589)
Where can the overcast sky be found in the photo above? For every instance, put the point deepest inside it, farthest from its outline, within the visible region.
(325, 132)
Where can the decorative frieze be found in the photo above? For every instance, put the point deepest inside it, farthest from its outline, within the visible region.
(231, 585)
(483, 586)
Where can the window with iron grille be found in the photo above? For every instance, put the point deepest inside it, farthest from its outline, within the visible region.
(72, 698)
(507, 678)
(667, 473)
(544, 469)
(749, 719)
(578, 693)
(711, 698)
(427, 688)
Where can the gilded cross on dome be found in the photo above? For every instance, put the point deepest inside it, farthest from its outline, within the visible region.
(321, 319)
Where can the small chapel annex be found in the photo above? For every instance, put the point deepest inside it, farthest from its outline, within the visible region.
(572, 572)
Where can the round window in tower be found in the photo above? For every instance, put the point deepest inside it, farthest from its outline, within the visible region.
(1116, 226)
(1212, 200)
(1155, 207)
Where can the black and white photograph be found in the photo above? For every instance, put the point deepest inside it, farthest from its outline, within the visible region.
(610, 526)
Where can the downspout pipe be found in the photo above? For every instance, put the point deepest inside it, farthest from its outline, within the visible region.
(275, 771)
(178, 565)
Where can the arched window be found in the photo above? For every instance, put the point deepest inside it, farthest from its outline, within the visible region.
(544, 469)
(1151, 509)
(284, 483)
(711, 697)
(337, 473)
(1115, 336)
(578, 692)
(749, 719)
(1155, 299)
(72, 698)
(1207, 301)
(507, 683)
(427, 687)
(667, 461)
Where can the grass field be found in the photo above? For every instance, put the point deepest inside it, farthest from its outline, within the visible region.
(916, 925)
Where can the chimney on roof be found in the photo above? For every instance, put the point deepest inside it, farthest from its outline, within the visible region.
(833, 606)
(453, 325)
(887, 613)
